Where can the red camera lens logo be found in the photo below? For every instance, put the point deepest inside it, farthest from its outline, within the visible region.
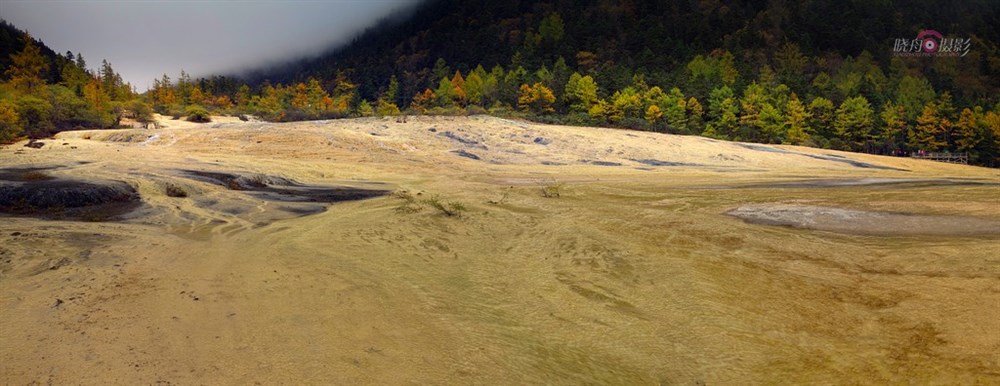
(931, 40)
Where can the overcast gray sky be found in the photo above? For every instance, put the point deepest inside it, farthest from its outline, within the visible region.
(145, 39)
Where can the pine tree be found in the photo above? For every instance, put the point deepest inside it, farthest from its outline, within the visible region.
(82, 64)
(165, 96)
(445, 93)
(695, 113)
(551, 30)
(365, 109)
(750, 107)
(715, 100)
(946, 108)
(74, 78)
(822, 83)
(343, 94)
(491, 85)
(184, 88)
(791, 65)
(269, 105)
(771, 124)
(854, 122)
(560, 75)
(441, 69)
(327, 104)
(929, 134)
(243, 97)
(625, 103)
(93, 93)
(893, 126)
(913, 94)
(314, 94)
(725, 124)
(727, 69)
(653, 115)
(110, 81)
(767, 77)
(474, 87)
(848, 83)
(989, 152)
(675, 110)
(586, 61)
(458, 84)
(581, 92)
(653, 96)
(392, 92)
(197, 97)
(797, 123)
(967, 133)
(822, 111)
(510, 86)
(702, 73)
(544, 76)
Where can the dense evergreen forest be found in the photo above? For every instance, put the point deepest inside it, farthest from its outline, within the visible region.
(818, 73)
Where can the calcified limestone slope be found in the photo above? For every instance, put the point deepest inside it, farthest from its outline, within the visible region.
(235, 270)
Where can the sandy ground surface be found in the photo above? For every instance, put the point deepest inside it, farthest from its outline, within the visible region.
(639, 272)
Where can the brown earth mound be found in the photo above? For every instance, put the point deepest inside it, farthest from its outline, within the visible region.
(67, 199)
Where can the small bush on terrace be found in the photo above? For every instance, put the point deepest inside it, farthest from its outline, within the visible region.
(197, 113)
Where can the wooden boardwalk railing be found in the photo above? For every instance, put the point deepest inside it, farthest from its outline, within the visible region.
(955, 158)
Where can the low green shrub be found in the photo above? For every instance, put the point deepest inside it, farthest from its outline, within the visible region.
(197, 113)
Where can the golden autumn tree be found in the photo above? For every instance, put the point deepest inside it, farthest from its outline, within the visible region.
(317, 96)
(536, 98)
(269, 105)
(967, 130)
(653, 114)
(930, 131)
(365, 109)
(327, 103)
(423, 100)
(93, 93)
(893, 128)
(797, 122)
(27, 67)
(300, 99)
(695, 112)
(458, 86)
(474, 86)
(727, 69)
(222, 102)
(384, 108)
(343, 93)
(197, 97)
(10, 127)
(163, 93)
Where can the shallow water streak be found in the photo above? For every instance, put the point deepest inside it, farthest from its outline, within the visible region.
(860, 222)
(285, 190)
